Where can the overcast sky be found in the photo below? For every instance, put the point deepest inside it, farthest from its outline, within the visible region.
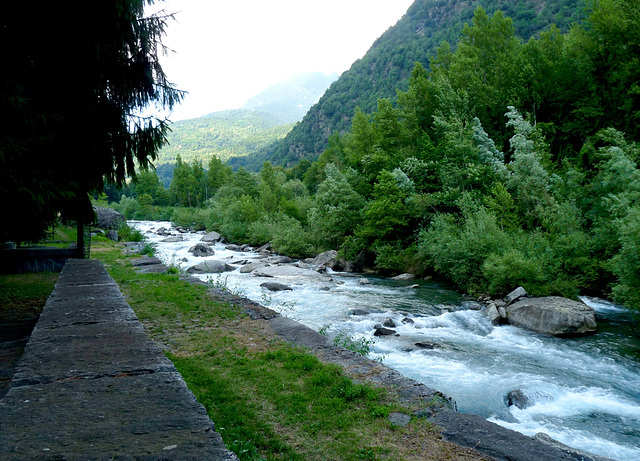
(226, 51)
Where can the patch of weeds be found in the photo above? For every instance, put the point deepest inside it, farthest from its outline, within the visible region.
(129, 234)
(246, 450)
(148, 250)
(221, 282)
(360, 345)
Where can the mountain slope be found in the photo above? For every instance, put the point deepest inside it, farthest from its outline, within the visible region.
(290, 100)
(225, 134)
(388, 64)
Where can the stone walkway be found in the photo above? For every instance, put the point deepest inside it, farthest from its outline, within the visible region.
(92, 385)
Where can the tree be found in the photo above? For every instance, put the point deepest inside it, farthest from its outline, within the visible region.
(76, 84)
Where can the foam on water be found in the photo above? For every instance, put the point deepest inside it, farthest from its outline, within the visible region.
(583, 392)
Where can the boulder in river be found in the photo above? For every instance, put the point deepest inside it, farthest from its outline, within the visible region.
(211, 266)
(211, 237)
(382, 331)
(275, 286)
(201, 250)
(406, 276)
(389, 323)
(518, 399)
(327, 259)
(246, 269)
(552, 315)
(515, 295)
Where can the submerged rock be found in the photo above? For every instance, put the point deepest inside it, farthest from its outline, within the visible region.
(285, 271)
(252, 266)
(552, 315)
(518, 399)
(404, 277)
(175, 239)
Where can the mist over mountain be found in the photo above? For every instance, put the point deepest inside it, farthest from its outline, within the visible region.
(290, 100)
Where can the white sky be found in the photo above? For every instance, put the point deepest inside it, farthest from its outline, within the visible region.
(226, 51)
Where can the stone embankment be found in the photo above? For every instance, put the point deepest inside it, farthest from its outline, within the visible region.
(92, 385)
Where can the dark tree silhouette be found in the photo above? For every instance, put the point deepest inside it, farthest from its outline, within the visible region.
(77, 82)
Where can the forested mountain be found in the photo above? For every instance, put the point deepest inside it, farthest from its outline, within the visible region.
(224, 134)
(265, 118)
(290, 100)
(387, 65)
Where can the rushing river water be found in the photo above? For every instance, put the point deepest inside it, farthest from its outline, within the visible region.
(584, 392)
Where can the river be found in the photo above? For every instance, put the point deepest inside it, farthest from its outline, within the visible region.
(583, 392)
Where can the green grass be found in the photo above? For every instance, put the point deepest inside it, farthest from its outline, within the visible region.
(24, 295)
(268, 399)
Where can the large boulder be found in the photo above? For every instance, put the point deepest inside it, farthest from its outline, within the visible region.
(201, 250)
(552, 315)
(211, 266)
(211, 237)
(327, 259)
(246, 269)
(107, 218)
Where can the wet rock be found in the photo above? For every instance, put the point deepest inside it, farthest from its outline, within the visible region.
(201, 250)
(280, 260)
(407, 320)
(382, 331)
(325, 288)
(233, 247)
(518, 399)
(415, 285)
(515, 295)
(252, 266)
(212, 266)
(404, 277)
(428, 345)
(211, 237)
(552, 315)
(360, 312)
(275, 286)
(389, 323)
(326, 259)
(491, 311)
(363, 281)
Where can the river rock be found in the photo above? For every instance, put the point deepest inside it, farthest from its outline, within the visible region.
(275, 286)
(491, 311)
(326, 259)
(552, 315)
(360, 312)
(201, 250)
(515, 295)
(177, 238)
(211, 237)
(518, 399)
(233, 247)
(280, 260)
(427, 345)
(389, 323)
(211, 266)
(407, 320)
(285, 271)
(382, 331)
(107, 218)
(363, 281)
(252, 266)
(404, 277)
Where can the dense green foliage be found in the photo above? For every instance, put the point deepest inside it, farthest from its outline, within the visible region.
(73, 91)
(387, 66)
(510, 163)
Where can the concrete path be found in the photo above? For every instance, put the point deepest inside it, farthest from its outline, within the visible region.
(92, 385)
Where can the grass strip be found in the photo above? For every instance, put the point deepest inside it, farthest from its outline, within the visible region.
(269, 400)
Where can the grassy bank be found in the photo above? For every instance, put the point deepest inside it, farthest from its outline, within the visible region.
(269, 400)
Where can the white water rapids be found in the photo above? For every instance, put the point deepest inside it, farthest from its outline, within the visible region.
(585, 392)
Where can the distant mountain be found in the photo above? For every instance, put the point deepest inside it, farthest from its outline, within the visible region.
(290, 100)
(388, 64)
(225, 134)
(238, 133)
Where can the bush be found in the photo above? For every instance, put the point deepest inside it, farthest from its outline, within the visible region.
(511, 269)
